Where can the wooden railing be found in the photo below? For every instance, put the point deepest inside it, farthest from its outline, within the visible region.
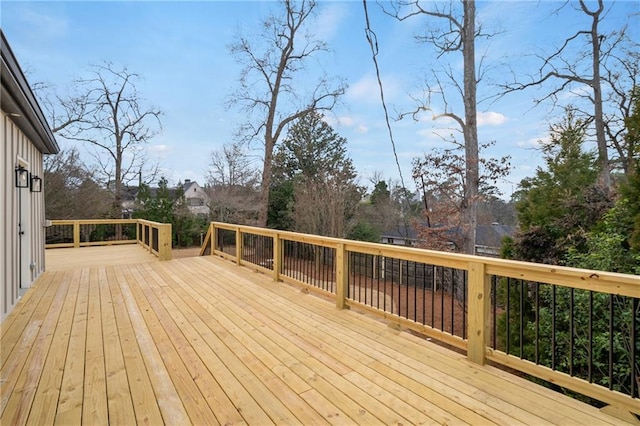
(450, 297)
(153, 236)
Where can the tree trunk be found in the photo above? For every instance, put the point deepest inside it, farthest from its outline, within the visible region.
(603, 154)
(266, 181)
(470, 130)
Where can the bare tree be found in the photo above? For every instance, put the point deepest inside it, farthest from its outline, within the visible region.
(441, 175)
(109, 115)
(454, 31)
(231, 166)
(267, 91)
(622, 75)
(584, 70)
(232, 184)
(71, 191)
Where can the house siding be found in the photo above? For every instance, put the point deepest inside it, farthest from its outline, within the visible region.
(16, 146)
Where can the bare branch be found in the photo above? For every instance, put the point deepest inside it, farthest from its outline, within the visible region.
(267, 91)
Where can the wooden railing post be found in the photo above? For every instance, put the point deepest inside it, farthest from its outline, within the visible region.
(277, 256)
(342, 274)
(238, 246)
(479, 312)
(164, 241)
(150, 231)
(76, 233)
(214, 237)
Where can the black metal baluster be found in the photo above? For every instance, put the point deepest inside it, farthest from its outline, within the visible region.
(572, 330)
(537, 355)
(611, 322)
(521, 319)
(453, 296)
(590, 349)
(442, 301)
(494, 298)
(464, 304)
(433, 296)
(635, 308)
(553, 327)
(508, 315)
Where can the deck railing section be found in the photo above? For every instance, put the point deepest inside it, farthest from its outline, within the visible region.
(153, 236)
(538, 319)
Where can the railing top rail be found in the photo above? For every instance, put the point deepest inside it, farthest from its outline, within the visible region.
(149, 222)
(92, 221)
(600, 281)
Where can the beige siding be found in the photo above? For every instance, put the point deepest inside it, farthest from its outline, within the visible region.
(15, 145)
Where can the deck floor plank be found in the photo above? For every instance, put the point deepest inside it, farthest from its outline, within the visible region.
(164, 334)
(45, 401)
(258, 317)
(225, 412)
(280, 406)
(144, 403)
(72, 387)
(450, 373)
(107, 336)
(94, 406)
(119, 401)
(462, 411)
(307, 365)
(18, 396)
(168, 400)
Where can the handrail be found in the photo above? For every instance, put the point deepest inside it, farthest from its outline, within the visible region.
(153, 236)
(272, 252)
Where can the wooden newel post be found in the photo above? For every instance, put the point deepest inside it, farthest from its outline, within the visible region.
(164, 242)
(342, 275)
(277, 256)
(479, 312)
(76, 233)
(238, 246)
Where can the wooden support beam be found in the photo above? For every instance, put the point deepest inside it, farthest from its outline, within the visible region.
(479, 312)
(76, 233)
(277, 256)
(238, 246)
(164, 241)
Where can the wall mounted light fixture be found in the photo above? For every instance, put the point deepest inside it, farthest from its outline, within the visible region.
(22, 177)
(36, 184)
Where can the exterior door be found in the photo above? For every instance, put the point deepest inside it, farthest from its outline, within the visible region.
(24, 236)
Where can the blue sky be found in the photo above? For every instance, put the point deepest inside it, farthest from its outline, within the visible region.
(181, 50)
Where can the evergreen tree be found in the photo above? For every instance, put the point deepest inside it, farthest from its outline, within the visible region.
(314, 186)
(562, 201)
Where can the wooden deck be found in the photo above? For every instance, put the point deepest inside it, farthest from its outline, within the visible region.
(202, 341)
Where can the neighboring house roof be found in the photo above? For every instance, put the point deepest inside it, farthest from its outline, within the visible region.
(186, 186)
(492, 235)
(401, 231)
(20, 103)
(486, 235)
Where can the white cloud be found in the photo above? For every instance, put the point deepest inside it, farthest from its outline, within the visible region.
(160, 148)
(535, 142)
(362, 128)
(329, 20)
(490, 118)
(48, 26)
(367, 90)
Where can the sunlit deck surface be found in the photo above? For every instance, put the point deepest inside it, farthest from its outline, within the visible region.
(203, 341)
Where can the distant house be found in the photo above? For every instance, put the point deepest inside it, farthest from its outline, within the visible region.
(196, 197)
(401, 235)
(488, 237)
(26, 137)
